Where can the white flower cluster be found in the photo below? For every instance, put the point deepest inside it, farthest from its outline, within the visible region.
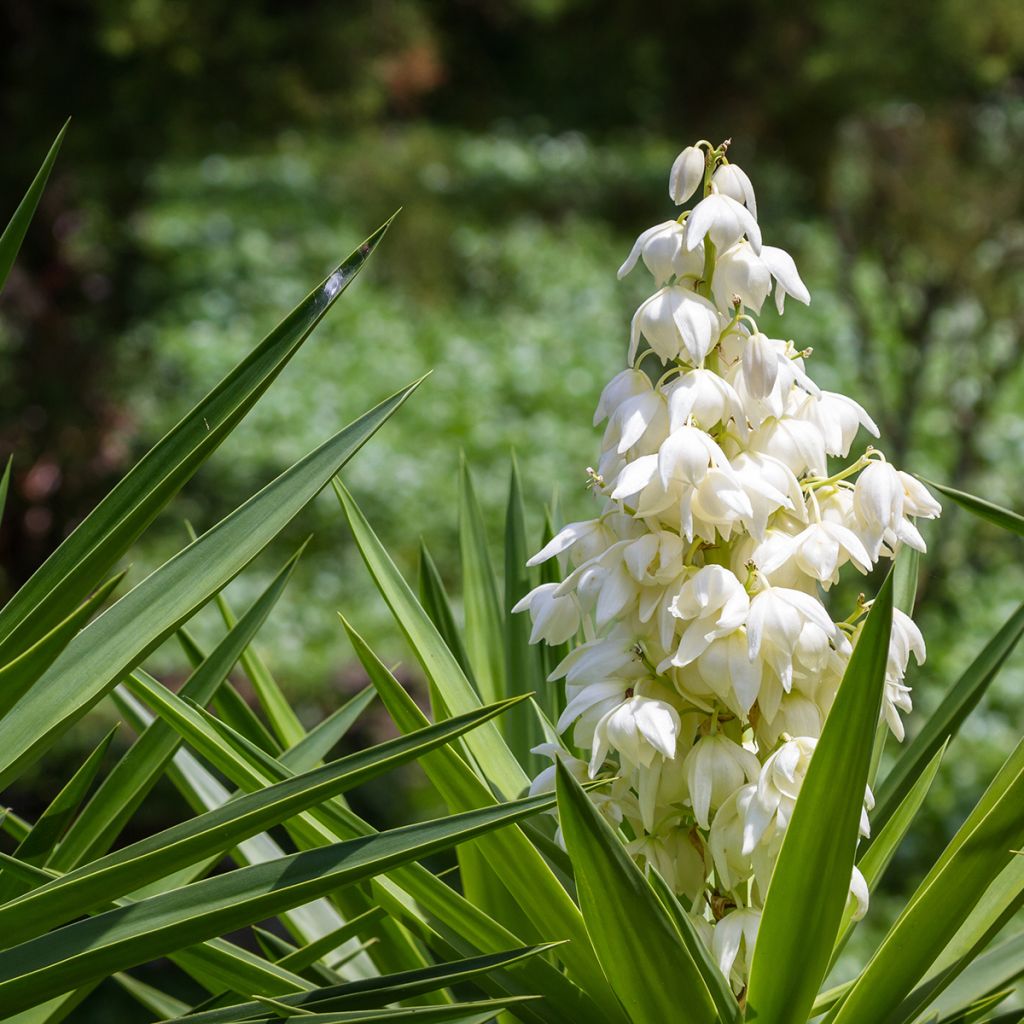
(707, 657)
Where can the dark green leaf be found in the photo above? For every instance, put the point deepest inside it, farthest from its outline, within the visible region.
(810, 883)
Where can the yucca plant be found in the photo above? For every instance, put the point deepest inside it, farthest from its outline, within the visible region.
(546, 927)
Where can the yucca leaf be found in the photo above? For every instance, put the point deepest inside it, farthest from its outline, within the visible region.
(810, 884)
(130, 629)
(376, 992)
(73, 570)
(328, 733)
(121, 938)
(945, 721)
(14, 233)
(1004, 518)
(465, 1013)
(137, 772)
(283, 720)
(5, 483)
(974, 857)
(217, 963)
(626, 921)
(160, 1003)
(484, 618)
(192, 841)
(439, 664)
(717, 984)
(515, 861)
(435, 602)
(524, 669)
(442, 916)
(320, 949)
(992, 971)
(39, 844)
(875, 859)
(1000, 902)
(18, 676)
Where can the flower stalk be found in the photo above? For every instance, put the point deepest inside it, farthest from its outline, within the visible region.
(709, 656)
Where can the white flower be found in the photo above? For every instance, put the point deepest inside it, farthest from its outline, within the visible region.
(917, 500)
(769, 485)
(819, 550)
(733, 944)
(725, 840)
(696, 592)
(674, 856)
(725, 220)
(675, 320)
(780, 622)
(664, 254)
(859, 894)
(878, 498)
(715, 768)
(640, 729)
(904, 639)
(769, 366)
(787, 279)
(633, 419)
(740, 273)
(731, 180)
(687, 173)
(624, 385)
(730, 673)
(778, 786)
(687, 454)
(838, 418)
(712, 603)
(797, 444)
(555, 619)
(590, 535)
(706, 397)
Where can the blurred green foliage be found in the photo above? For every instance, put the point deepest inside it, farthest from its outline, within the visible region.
(223, 156)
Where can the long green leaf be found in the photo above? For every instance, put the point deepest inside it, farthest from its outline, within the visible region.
(484, 630)
(974, 857)
(517, 863)
(717, 984)
(121, 938)
(14, 233)
(480, 1012)
(439, 664)
(376, 992)
(192, 841)
(1000, 902)
(328, 733)
(810, 883)
(626, 921)
(67, 576)
(524, 668)
(1000, 966)
(442, 917)
(18, 676)
(875, 859)
(435, 602)
(947, 718)
(1004, 518)
(137, 772)
(38, 845)
(283, 720)
(130, 629)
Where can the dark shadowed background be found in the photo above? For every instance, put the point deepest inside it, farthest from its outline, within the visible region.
(222, 156)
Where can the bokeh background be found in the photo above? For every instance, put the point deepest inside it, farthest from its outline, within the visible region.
(223, 156)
